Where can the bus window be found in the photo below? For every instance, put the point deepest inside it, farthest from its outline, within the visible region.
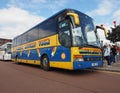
(77, 37)
(32, 35)
(91, 37)
(64, 33)
(9, 46)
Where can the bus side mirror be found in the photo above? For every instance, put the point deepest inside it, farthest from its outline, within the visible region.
(76, 18)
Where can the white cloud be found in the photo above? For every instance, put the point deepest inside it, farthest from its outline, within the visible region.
(116, 16)
(104, 8)
(14, 21)
(52, 5)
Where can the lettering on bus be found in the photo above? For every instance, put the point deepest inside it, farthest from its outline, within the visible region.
(32, 45)
(44, 42)
(19, 48)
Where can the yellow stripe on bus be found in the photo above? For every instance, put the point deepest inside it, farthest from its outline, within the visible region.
(64, 65)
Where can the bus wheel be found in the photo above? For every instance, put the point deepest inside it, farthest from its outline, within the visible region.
(45, 63)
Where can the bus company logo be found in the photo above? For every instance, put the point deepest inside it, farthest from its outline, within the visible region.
(44, 42)
(30, 46)
(19, 48)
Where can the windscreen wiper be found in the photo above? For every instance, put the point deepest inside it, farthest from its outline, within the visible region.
(89, 45)
(93, 46)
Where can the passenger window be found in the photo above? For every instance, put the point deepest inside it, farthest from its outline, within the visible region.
(64, 33)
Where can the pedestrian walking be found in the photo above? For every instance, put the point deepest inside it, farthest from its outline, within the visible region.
(107, 54)
(118, 53)
(113, 54)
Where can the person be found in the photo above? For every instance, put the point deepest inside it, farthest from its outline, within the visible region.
(118, 53)
(113, 53)
(107, 54)
(101, 44)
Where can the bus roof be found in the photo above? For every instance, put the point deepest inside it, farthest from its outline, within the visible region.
(64, 10)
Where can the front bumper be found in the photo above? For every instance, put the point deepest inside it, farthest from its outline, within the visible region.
(88, 64)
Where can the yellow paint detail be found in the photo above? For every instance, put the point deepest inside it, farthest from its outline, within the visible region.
(34, 62)
(63, 55)
(76, 17)
(63, 65)
(74, 51)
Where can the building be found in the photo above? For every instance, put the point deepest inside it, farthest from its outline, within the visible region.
(3, 41)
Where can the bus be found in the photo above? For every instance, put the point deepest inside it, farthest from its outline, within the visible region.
(102, 38)
(66, 40)
(5, 51)
(102, 29)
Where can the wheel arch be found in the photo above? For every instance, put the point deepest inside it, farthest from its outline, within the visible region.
(45, 54)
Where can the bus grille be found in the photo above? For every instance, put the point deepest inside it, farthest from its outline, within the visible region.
(93, 59)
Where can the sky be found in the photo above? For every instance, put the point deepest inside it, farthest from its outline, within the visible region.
(18, 16)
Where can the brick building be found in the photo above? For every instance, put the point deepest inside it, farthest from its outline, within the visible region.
(3, 41)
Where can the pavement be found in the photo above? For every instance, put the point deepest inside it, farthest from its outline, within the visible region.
(115, 67)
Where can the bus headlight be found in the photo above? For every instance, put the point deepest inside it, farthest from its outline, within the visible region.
(78, 58)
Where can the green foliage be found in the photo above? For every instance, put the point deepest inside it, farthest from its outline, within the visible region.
(114, 36)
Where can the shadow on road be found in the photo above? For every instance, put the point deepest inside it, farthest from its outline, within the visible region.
(61, 71)
(74, 72)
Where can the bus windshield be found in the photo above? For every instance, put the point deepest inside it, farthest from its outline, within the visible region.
(84, 33)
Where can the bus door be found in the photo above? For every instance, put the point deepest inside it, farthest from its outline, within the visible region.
(64, 38)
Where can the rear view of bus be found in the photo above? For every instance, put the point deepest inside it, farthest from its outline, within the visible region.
(5, 51)
(66, 40)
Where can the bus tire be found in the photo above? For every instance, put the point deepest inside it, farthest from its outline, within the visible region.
(45, 63)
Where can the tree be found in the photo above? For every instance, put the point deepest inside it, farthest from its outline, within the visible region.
(114, 36)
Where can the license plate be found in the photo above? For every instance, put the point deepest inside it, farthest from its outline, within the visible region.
(94, 64)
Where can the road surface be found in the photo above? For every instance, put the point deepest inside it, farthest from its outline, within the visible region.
(31, 79)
